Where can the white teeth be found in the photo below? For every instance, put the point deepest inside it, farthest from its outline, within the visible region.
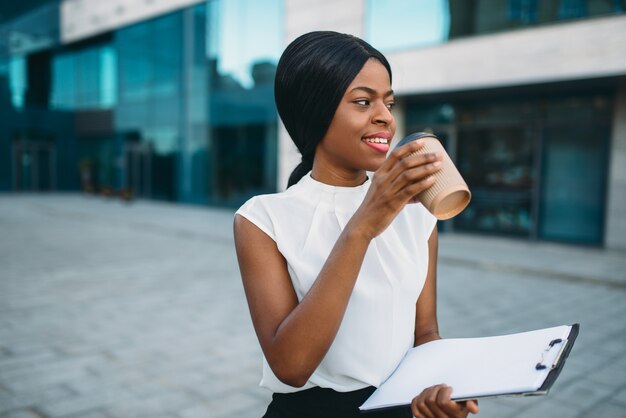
(377, 140)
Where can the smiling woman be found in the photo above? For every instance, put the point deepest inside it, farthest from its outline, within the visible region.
(359, 135)
(340, 269)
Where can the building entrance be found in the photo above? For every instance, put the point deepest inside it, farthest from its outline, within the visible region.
(34, 166)
(138, 169)
(536, 166)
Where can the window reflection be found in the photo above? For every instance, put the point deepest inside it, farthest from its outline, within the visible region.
(522, 161)
(17, 80)
(84, 79)
(242, 55)
(397, 24)
(179, 107)
(243, 33)
(498, 164)
(148, 115)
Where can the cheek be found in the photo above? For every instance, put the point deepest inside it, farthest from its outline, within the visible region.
(344, 128)
(392, 125)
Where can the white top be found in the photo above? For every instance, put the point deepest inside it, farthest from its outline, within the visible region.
(379, 323)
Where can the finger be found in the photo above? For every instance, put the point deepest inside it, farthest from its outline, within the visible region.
(447, 405)
(415, 409)
(399, 163)
(405, 150)
(412, 170)
(414, 161)
(431, 402)
(420, 403)
(472, 406)
(415, 174)
(410, 191)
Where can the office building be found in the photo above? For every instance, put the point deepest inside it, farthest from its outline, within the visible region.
(172, 100)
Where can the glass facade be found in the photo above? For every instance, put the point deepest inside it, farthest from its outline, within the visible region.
(242, 56)
(84, 79)
(430, 22)
(536, 167)
(178, 107)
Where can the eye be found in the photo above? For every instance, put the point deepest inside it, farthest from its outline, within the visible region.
(362, 102)
(390, 105)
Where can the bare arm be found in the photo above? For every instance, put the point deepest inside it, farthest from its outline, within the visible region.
(426, 325)
(434, 401)
(296, 336)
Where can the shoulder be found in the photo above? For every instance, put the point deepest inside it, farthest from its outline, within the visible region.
(267, 203)
(267, 210)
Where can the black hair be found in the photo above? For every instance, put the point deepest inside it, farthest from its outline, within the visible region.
(312, 76)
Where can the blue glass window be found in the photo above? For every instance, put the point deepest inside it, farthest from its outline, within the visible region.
(240, 36)
(244, 42)
(397, 24)
(84, 79)
(522, 160)
(17, 81)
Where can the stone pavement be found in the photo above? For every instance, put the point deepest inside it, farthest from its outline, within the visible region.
(113, 310)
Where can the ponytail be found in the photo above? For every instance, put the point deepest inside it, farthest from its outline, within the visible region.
(300, 171)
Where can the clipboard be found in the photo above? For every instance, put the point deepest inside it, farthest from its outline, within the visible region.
(521, 364)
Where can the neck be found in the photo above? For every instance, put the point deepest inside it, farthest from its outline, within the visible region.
(338, 177)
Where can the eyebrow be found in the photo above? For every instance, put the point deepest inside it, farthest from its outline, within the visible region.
(371, 91)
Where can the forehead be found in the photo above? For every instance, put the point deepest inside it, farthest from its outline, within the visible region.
(373, 75)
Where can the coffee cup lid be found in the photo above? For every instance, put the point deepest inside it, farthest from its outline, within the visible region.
(413, 137)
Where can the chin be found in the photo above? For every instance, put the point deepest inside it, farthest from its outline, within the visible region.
(374, 165)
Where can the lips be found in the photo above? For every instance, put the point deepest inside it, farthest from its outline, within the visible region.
(378, 141)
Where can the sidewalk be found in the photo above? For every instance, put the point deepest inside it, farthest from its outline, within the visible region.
(114, 310)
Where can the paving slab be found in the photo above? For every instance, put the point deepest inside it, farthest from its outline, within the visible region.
(117, 310)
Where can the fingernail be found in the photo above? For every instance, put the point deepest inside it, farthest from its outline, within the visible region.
(436, 163)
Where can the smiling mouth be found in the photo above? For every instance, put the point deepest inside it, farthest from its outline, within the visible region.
(377, 140)
(379, 144)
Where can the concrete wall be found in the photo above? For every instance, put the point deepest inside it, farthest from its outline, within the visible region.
(559, 52)
(616, 205)
(84, 18)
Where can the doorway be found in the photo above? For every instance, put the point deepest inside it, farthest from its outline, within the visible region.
(34, 166)
(138, 169)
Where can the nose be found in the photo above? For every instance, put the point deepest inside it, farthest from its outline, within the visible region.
(382, 114)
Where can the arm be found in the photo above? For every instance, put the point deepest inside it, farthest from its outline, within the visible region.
(295, 336)
(426, 326)
(434, 401)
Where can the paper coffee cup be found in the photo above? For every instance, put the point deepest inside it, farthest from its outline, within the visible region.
(449, 195)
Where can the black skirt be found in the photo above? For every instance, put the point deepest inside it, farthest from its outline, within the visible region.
(327, 403)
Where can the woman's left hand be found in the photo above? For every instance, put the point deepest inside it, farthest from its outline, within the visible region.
(435, 402)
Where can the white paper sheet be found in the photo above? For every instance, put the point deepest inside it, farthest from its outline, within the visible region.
(473, 367)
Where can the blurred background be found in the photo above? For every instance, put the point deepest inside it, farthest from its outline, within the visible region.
(130, 130)
(172, 100)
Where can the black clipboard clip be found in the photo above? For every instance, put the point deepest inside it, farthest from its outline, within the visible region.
(541, 365)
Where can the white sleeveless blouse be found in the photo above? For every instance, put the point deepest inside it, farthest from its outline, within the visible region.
(379, 323)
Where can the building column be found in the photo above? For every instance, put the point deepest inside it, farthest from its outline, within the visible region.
(615, 227)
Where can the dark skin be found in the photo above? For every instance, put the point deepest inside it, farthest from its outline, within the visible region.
(296, 335)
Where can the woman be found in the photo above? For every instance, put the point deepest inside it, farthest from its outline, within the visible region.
(340, 270)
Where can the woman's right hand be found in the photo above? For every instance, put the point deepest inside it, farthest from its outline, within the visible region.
(396, 183)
